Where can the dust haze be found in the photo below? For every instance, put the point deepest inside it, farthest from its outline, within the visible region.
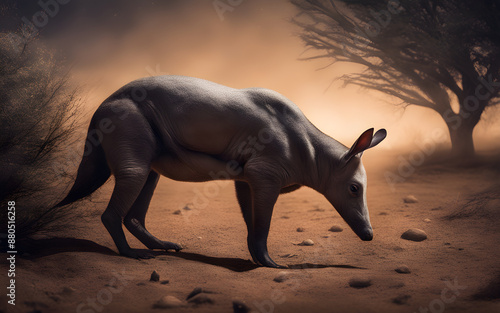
(252, 45)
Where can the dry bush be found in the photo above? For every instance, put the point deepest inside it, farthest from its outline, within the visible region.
(38, 116)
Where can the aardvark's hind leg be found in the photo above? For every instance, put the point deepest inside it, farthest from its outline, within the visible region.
(135, 219)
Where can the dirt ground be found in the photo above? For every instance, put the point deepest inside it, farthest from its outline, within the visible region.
(456, 269)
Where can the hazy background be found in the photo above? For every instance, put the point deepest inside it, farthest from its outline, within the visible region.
(113, 42)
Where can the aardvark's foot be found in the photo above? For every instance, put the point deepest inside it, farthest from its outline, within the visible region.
(167, 245)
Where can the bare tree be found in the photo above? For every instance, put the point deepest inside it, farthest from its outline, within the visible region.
(37, 119)
(435, 54)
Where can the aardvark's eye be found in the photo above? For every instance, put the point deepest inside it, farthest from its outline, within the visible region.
(353, 188)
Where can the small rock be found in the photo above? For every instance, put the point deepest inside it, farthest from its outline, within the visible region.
(195, 292)
(282, 276)
(288, 255)
(326, 236)
(186, 207)
(360, 283)
(403, 269)
(53, 296)
(168, 302)
(401, 299)
(240, 307)
(300, 229)
(201, 299)
(427, 220)
(383, 213)
(410, 199)
(154, 276)
(164, 282)
(68, 291)
(307, 242)
(177, 212)
(336, 229)
(199, 237)
(414, 234)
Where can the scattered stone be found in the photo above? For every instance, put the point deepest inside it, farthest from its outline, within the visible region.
(195, 292)
(282, 276)
(199, 237)
(360, 282)
(177, 212)
(403, 269)
(336, 229)
(53, 296)
(201, 299)
(460, 249)
(427, 220)
(383, 213)
(155, 276)
(240, 307)
(307, 242)
(288, 255)
(326, 236)
(300, 229)
(401, 299)
(68, 291)
(414, 234)
(186, 207)
(410, 199)
(168, 302)
(164, 282)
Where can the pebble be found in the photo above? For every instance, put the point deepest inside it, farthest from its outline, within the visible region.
(403, 269)
(414, 234)
(360, 282)
(155, 276)
(288, 255)
(177, 212)
(201, 299)
(187, 208)
(401, 299)
(68, 291)
(307, 242)
(240, 307)
(195, 292)
(427, 220)
(168, 302)
(336, 229)
(410, 199)
(282, 276)
(300, 229)
(164, 282)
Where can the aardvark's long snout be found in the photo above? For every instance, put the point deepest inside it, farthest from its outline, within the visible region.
(365, 234)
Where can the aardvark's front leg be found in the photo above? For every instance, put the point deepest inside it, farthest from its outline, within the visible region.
(257, 199)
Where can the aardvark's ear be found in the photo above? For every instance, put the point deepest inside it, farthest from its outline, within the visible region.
(365, 141)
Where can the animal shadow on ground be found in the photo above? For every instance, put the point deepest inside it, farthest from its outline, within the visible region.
(37, 248)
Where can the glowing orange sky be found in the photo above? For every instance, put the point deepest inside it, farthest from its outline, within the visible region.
(256, 46)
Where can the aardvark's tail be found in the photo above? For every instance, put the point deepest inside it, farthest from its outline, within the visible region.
(93, 172)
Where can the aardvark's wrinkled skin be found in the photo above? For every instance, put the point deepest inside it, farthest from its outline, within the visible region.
(190, 129)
